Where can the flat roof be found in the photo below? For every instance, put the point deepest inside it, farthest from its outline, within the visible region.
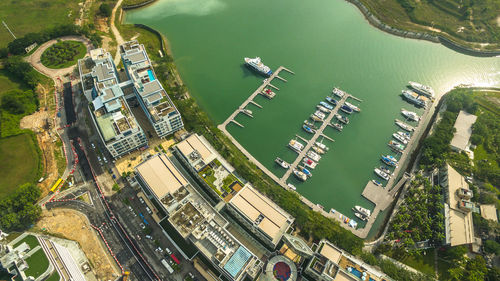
(253, 204)
(151, 87)
(161, 175)
(194, 143)
(463, 126)
(237, 261)
(489, 212)
(331, 253)
(461, 226)
(105, 123)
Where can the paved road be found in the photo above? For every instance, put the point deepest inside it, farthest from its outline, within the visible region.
(34, 59)
(116, 33)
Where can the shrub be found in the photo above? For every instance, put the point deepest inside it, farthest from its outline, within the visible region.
(105, 10)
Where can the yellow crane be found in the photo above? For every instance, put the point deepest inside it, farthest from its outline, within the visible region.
(125, 275)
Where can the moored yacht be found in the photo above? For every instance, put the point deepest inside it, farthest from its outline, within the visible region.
(363, 211)
(300, 175)
(322, 109)
(377, 183)
(396, 146)
(321, 145)
(422, 89)
(404, 126)
(352, 106)
(295, 145)
(410, 115)
(412, 97)
(326, 105)
(282, 163)
(258, 66)
(405, 135)
(309, 163)
(291, 186)
(337, 126)
(318, 150)
(308, 129)
(320, 115)
(338, 92)
(331, 100)
(381, 174)
(346, 109)
(342, 119)
(400, 138)
(313, 156)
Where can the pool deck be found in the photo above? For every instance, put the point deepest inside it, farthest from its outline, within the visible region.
(381, 197)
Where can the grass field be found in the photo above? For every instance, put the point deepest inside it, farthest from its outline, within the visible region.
(38, 263)
(7, 82)
(18, 162)
(30, 240)
(63, 54)
(25, 16)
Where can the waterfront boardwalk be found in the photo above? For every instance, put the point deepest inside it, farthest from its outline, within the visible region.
(310, 143)
(250, 99)
(381, 197)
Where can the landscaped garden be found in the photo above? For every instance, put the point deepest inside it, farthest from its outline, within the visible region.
(212, 175)
(37, 263)
(63, 54)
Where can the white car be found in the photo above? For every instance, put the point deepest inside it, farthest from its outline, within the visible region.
(105, 160)
(141, 200)
(149, 237)
(168, 251)
(142, 225)
(92, 144)
(149, 210)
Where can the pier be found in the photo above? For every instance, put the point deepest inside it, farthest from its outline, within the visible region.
(310, 143)
(250, 99)
(381, 197)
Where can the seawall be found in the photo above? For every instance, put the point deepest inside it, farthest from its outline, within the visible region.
(373, 20)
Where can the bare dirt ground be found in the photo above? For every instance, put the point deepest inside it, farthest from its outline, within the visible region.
(40, 123)
(79, 230)
(498, 21)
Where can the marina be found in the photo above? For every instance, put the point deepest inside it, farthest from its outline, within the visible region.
(216, 79)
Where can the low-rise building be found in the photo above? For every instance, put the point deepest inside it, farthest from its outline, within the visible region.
(459, 228)
(332, 264)
(194, 219)
(116, 125)
(159, 109)
(265, 219)
(260, 215)
(463, 131)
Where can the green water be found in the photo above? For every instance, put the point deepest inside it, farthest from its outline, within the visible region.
(326, 43)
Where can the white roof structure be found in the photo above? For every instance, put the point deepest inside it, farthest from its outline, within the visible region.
(161, 176)
(463, 127)
(264, 213)
(459, 225)
(489, 212)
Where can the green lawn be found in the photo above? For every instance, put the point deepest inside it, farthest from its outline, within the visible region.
(423, 263)
(19, 162)
(30, 240)
(54, 277)
(25, 16)
(63, 54)
(37, 263)
(7, 82)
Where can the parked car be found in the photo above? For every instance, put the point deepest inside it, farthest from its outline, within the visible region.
(141, 200)
(168, 251)
(149, 210)
(142, 225)
(93, 145)
(149, 237)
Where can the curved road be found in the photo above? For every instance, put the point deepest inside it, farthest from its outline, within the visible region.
(34, 59)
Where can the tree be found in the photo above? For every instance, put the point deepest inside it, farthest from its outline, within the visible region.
(492, 247)
(105, 10)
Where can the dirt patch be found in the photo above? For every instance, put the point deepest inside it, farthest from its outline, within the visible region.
(79, 230)
(498, 21)
(101, 24)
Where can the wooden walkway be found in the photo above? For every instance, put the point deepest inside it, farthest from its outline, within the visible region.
(310, 143)
(267, 82)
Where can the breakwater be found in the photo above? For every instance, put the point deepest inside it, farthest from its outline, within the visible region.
(138, 5)
(373, 20)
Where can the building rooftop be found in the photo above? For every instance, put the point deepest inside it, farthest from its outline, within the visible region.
(160, 174)
(197, 151)
(331, 253)
(461, 229)
(269, 218)
(489, 212)
(138, 65)
(463, 127)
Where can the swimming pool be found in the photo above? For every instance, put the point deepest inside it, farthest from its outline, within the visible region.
(151, 75)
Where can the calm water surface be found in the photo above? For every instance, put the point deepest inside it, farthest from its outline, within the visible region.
(326, 43)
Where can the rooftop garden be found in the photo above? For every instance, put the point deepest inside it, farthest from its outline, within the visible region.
(37, 263)
(219, 179)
